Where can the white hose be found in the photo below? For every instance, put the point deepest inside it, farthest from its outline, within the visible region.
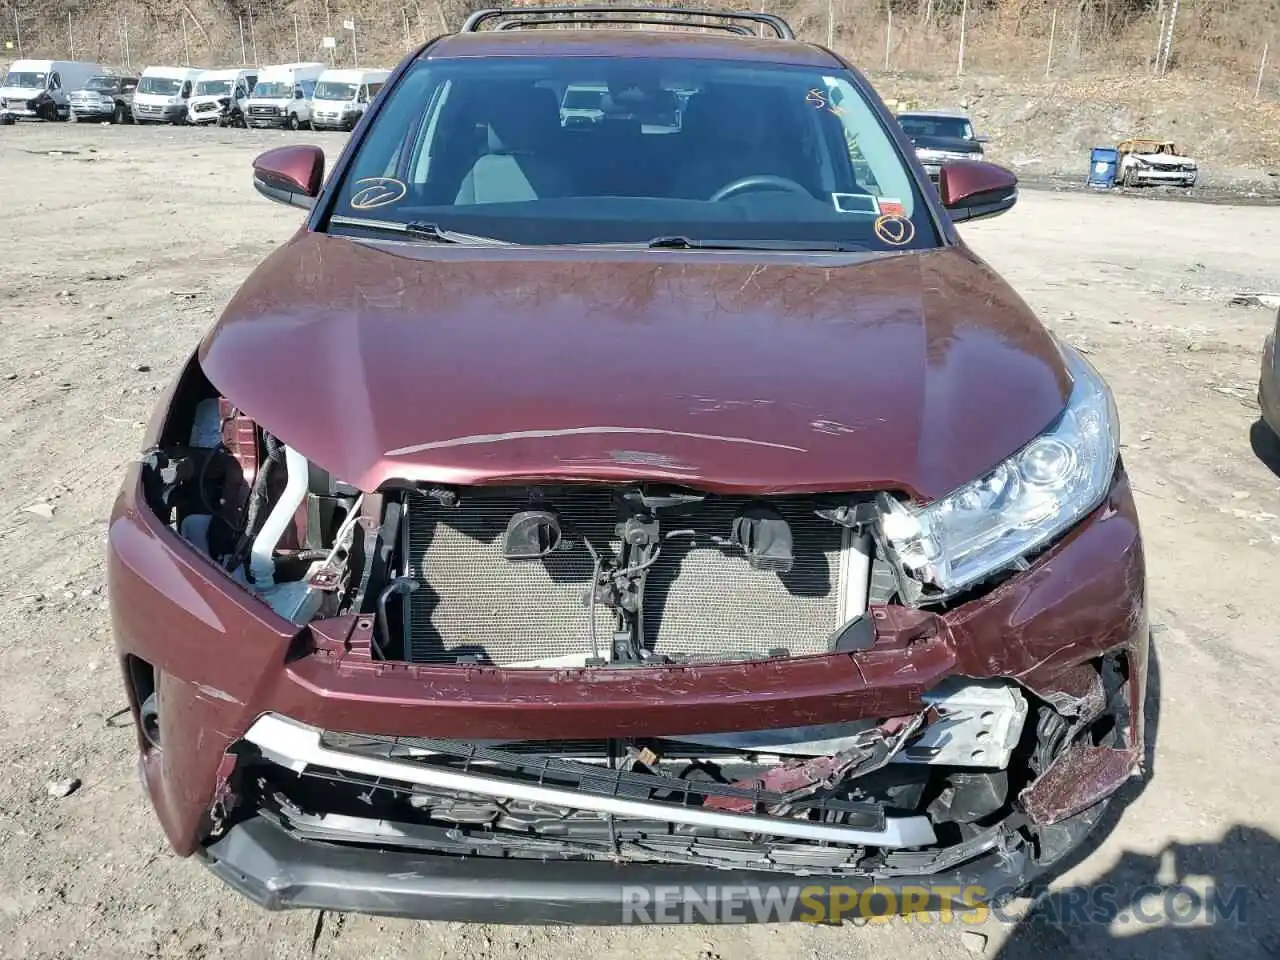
(261, 561)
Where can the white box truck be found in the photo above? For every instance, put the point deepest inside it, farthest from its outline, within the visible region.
(42, 88)
(162, 94)
(282, 95)
(342, 97)
(220, 96)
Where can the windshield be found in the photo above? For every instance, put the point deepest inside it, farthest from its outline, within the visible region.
(108, 84)
(27, 81)
(267, 90)
(213, 88)
(332, 90)
(956, 128)
(760, 153)
(579, 99)
(161, 86)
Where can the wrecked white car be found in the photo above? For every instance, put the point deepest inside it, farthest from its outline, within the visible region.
(1143, 163)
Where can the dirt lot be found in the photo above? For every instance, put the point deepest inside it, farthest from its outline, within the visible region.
(120, 250)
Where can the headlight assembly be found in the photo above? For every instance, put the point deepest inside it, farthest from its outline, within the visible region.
(993, 522)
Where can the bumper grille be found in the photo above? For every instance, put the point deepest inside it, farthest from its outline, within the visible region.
(702, 599)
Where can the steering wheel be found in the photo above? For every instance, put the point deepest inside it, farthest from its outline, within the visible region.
(758, 181)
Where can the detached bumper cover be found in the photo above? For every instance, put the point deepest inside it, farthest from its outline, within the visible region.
(279, 871)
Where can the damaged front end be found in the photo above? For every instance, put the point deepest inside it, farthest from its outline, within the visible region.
(408, 701)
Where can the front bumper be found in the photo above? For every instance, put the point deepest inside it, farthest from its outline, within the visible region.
(278, 871)
(267, 120)
(1177, 178)
(334, 120)
(153, 113)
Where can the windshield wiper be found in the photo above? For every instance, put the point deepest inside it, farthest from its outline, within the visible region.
(687, 243)
(416, 231)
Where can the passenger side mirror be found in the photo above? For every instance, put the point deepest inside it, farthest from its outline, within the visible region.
(975, 189)
(292, 175)
(982, 138)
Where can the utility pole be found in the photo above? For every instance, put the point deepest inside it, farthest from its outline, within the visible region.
(186, 47)
(888, 39)
(244, 56)
(1167, 47)
(71, 39)
(253, 39)
(1262, 68)
(1053, 30)
(17, 31)
(831, 23)
(297, 37)
(964, 24)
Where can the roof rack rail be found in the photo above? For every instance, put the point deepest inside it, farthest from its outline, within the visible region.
(519, 17)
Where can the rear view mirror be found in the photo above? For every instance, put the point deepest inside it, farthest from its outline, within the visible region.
(975, 189)
(291, 175)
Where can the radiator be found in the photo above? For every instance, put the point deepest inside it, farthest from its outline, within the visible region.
(702, 599)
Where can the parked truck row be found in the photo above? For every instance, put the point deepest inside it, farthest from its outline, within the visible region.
(288, 95)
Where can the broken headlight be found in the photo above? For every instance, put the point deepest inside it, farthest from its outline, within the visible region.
(1025, 502)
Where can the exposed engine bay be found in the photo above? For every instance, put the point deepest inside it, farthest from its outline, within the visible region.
(526, 576)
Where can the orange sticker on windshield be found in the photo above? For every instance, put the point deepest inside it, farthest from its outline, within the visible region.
(895, 231)
(892, 207)
(377, 192)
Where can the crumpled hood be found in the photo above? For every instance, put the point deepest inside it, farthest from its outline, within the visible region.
(742, 372)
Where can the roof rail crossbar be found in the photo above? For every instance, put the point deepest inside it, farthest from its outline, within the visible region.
(737, 28)
(780, 27)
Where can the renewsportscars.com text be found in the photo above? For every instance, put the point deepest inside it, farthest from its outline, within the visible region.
(1151, 905)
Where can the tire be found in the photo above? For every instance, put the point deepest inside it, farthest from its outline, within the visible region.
(293, 122)
(118, 115)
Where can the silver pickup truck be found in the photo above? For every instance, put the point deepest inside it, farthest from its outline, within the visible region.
(105, 98)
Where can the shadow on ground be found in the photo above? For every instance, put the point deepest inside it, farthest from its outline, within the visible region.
(1189, 900)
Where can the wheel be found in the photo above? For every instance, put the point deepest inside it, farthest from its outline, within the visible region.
(293, 121)
(118, 115)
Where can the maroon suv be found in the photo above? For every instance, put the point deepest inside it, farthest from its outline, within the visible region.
(657, 494)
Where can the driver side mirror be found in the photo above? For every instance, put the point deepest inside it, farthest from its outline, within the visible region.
(975, 189)
(291, 175)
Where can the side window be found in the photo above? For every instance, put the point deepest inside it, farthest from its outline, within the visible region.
(186, 89)
(55, 82)
(297, 93)
(374, 88)
(129, 86)
(363, 95)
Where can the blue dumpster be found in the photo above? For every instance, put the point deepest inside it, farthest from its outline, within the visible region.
(1102, 167)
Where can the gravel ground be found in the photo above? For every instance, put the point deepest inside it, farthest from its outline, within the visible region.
(122, 244)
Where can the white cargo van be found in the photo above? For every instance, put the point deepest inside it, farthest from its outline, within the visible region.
(42, 88)
(342, 97)
(162, 94)
(220, 96)
(282, 95)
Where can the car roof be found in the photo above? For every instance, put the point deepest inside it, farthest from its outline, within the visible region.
(664, 44)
